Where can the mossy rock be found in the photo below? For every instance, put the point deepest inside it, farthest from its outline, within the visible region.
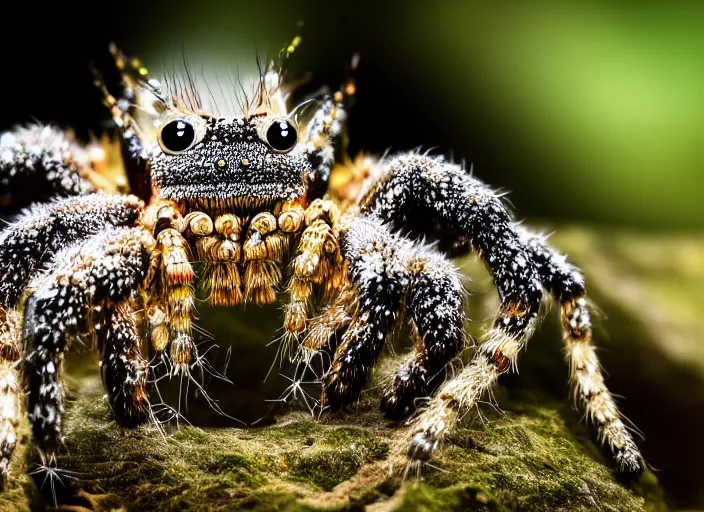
(531, 454)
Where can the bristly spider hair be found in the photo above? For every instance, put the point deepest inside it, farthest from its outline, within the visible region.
(352, 256)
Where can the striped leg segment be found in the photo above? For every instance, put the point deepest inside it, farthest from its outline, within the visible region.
(122, 367)
(10, 390)
(436, 308)
(566, 283)
(102, 271)
(590, 390)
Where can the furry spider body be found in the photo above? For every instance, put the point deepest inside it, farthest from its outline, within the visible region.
(249, 197)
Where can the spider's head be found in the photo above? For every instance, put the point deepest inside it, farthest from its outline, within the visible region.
(242, 163)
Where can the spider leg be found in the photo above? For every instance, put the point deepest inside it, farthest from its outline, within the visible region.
(9, 389)
(33, 240)
(38, 162)
(389, 271)
(326, 135)
(25, 246)
(138, 101)
(381, 282)
(100, 272)
(122, 367)
(426, 197)
(565, 282)
(436, 309)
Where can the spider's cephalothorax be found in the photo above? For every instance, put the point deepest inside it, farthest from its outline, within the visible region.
(250, 197)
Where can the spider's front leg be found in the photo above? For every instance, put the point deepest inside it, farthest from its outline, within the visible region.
(427, 197)
(103, 271)
(25, 246)
(387, 270)
(122, 367)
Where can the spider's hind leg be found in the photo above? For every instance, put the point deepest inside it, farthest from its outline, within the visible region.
(39, 162)
(566, 284)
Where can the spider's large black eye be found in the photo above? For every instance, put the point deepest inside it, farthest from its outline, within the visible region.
(282, 135)
(177, 136)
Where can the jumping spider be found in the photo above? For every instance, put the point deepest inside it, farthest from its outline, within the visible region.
(251, 198)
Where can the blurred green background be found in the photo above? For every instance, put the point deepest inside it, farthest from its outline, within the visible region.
(592, 112)
(584, 111)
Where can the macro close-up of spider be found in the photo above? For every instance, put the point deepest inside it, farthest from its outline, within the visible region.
(250, 197)
(191, 202)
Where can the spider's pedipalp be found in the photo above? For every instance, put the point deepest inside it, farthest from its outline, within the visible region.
(122, 367)
(102, 271)
(436, 308)
(316, 263)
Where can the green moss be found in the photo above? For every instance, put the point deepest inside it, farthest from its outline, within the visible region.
(357, 438)
(191, 435)
(305, 428)
(325, 468)
(460, 497)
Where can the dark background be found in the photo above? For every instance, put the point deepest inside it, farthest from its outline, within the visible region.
(585, 113)
(592, 115)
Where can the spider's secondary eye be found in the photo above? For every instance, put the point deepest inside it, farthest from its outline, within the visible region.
(282, 135)
(177, 136)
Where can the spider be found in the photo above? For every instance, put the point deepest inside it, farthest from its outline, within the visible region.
(252, 198)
